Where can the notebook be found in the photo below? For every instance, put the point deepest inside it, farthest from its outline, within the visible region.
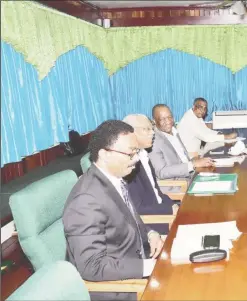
(218, 184)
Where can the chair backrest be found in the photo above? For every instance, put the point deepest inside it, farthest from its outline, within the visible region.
(57, 281)
(85, 162)
(37, 211)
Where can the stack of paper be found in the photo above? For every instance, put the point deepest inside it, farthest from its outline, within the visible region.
(189, 239)
(228, 162)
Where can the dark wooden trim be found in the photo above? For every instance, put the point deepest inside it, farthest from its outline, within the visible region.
(162, 16)
(169, 21)
(6, 220)
(76, 8)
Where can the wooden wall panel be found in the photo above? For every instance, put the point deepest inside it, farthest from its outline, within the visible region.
(11, 171)
(14, 170)
(157, 16)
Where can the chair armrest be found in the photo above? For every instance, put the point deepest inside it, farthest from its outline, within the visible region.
(157, 219)
(122, 286)
(182, 183)
(174, 195)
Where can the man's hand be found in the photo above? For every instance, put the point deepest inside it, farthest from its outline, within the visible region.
(156, 244)
(231, 136)
(175, 208)
(202, 162)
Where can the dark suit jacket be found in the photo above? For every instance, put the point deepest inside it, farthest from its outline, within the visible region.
(144, 198)
(102, 237)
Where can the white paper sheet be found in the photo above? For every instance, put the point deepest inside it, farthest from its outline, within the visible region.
(224, 162)
(189, 239)
(212, 186)
(234, 140)
(228, 229)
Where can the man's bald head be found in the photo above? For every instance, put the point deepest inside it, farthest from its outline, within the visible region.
(143, 129)
(163, 118)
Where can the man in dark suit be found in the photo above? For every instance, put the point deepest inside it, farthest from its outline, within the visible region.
(106, 239)
(143, 186)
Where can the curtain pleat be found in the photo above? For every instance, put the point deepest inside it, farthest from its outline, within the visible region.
(36, 115)
(175, 78)
(78, 94)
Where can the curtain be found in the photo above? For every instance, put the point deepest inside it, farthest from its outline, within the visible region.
(42, 35)
(38, 114)
(176, 79)
(241, 89)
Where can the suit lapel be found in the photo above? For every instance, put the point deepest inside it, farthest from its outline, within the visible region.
(154, 176)
(113, 194)
(168, 143)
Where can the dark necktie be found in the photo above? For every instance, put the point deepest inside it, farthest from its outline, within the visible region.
(128, 203)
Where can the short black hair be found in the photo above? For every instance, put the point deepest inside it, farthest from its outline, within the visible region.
(159, 105)
(199, 99)
(105, 135)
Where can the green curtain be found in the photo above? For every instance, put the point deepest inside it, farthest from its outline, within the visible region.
(42, 35)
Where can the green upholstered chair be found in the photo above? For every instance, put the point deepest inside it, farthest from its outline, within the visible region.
(85, 162)
(37, 211)
(57, 281)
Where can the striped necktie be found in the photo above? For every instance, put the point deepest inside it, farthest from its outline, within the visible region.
(128, 203)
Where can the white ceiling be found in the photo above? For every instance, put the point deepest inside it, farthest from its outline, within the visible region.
(150, 3)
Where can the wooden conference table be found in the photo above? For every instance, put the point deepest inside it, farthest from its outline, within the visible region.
(220, 280)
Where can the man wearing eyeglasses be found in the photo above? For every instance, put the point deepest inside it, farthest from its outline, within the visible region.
(193, 130)
(106, 238)
(169, 156)
(142, 182)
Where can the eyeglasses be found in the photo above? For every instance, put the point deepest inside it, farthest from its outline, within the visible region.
(131, 156)
(201, 108)
(146, 130)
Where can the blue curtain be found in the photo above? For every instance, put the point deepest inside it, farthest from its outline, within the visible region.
(176, 79)
(77, 94)
(36, 115)
(241, 89)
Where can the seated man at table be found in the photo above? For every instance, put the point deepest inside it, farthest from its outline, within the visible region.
(106, 238)
(193, 130)
(169, 156)
(143, 186)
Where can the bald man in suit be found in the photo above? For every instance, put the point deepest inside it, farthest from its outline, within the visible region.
(147, 196)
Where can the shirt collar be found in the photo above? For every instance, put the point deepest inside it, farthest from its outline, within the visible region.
(111, 178)
(174, 132)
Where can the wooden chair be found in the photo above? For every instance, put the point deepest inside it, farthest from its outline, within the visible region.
(183, 184)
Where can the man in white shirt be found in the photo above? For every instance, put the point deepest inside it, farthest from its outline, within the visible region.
(193, 130)
(169, 156)
(147, 197)
(106, 238)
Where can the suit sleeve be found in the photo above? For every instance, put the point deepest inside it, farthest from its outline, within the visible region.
(84, 226)
(162, 169)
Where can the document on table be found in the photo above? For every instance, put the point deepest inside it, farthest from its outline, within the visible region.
(216, 187)
(234, 140)
(215, 183)
(189, 239)
(228, 162)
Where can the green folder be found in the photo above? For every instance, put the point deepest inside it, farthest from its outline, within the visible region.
(220, 184)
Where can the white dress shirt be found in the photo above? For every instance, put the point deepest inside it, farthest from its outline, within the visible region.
(193, 130)
(179, 148)
(143, 155)
(148, 264)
